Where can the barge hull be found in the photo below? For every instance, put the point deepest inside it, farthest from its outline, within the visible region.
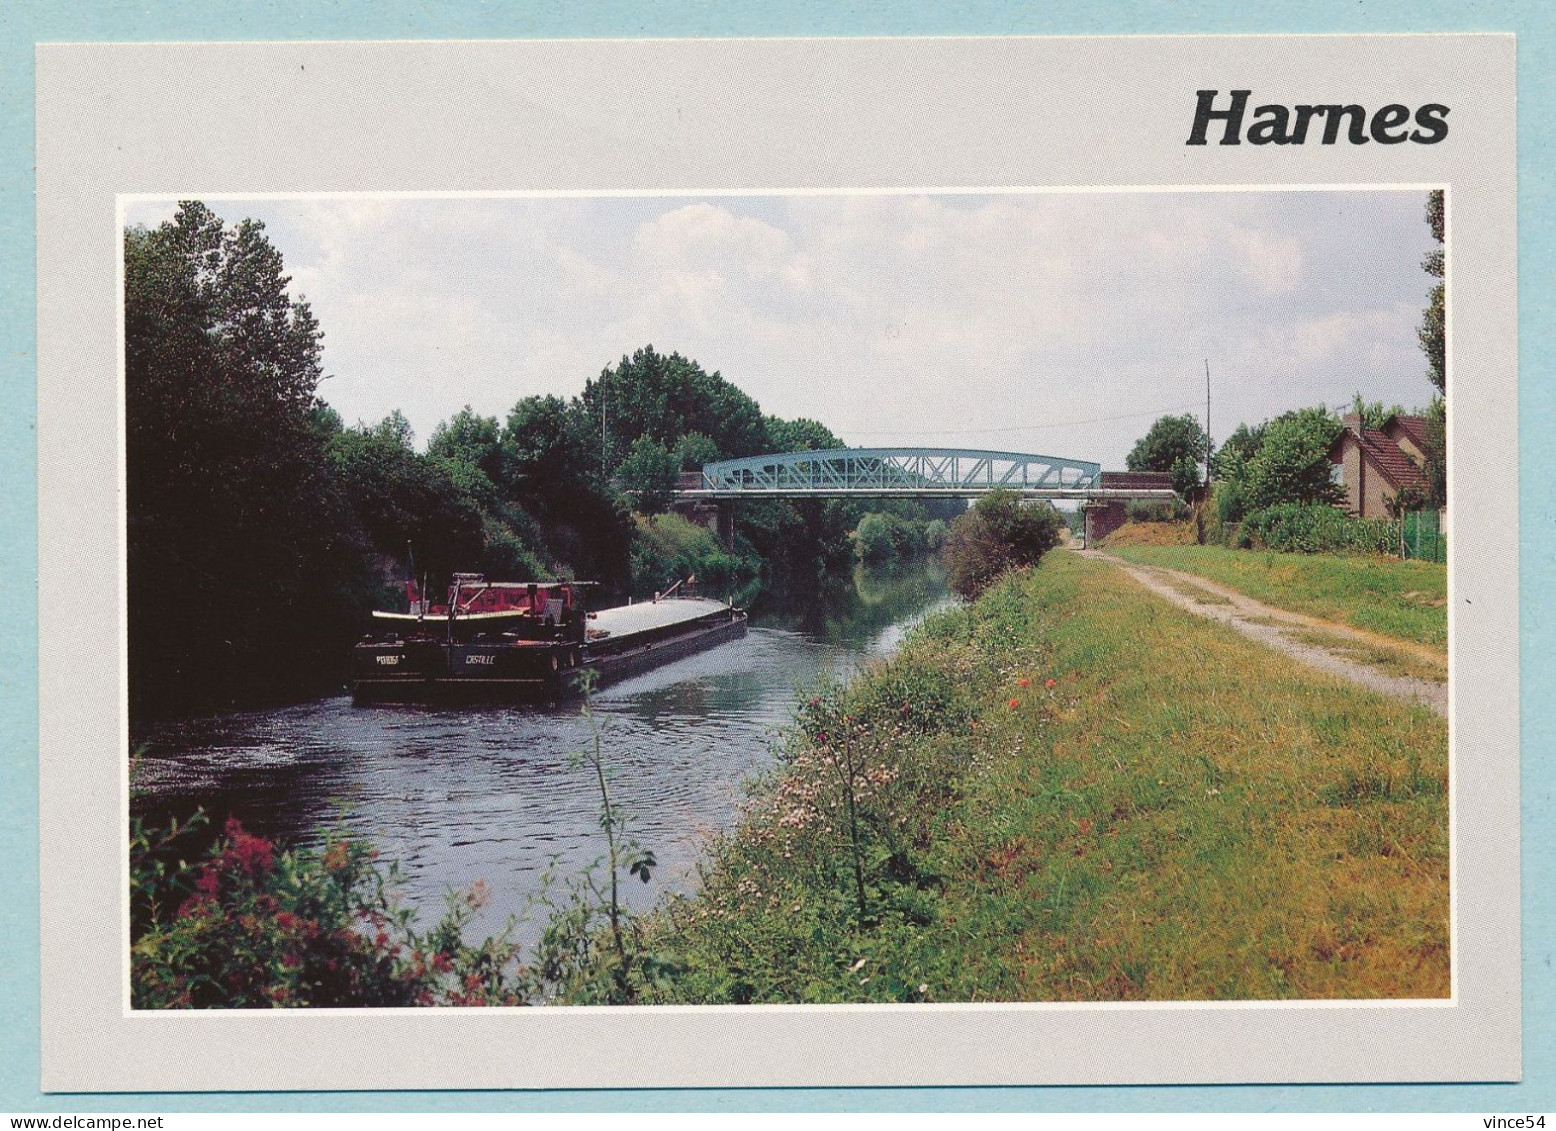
(640, 638)
(652, 654)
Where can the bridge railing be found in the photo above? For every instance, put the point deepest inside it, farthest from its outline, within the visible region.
(916, 470)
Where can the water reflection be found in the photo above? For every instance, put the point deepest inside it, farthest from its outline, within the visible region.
(460, 795)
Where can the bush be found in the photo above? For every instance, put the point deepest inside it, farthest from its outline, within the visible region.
(885, 536)
(1000, 533)
(250, 925)
(1228, 501)
(668, 547)
(1317, 529)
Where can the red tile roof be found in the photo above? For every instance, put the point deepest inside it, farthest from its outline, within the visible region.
(1412, 426)
(1384, 454)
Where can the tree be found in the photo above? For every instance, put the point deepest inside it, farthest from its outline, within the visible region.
(546, 452)
(1237, 449)
(552, 470)
(665, 397)
(470, 439)
(1176, 445)
(401, 497)
(1434, 342)
(1373, 415)
(695, 450)
(800, 435)
(1000, 533)
(648, 476)
(1432, 333)
(246, 567)
(1292, 462)
(1435, 461)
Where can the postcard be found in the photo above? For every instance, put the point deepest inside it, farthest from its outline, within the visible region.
(778, 562)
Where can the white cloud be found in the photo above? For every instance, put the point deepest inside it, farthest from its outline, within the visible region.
(1271, 260)
(993, 320)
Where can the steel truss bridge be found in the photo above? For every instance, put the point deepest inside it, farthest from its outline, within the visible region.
(903, 473)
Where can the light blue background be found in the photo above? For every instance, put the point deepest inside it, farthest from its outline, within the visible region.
(26, 22)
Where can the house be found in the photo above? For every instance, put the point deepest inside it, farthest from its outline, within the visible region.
(1375, 464)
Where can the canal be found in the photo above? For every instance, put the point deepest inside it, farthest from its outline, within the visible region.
(488, 794)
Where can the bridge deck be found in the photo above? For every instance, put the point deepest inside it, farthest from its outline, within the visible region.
(915, 473)
(1078, 493)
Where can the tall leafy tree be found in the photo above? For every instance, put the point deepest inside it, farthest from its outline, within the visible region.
(1434, 343)
(552, 471)
(648, 476)
(1292, 463)
(245, 565)
(664, 397)
(1433, 336)
(404, 498)
(800, 435)
(472, 439)
(1174, 444)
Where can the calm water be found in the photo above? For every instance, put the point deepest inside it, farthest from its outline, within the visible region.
(461, 795)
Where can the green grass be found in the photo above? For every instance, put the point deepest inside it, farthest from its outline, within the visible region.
(1197, 593)
(1183, 815)
(1390, 661)
(1403, 599)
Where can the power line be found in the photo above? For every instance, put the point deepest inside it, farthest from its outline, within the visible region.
(1019, 427)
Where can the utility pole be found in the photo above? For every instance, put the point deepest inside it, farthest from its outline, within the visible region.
(603, 448)
(1207, 424)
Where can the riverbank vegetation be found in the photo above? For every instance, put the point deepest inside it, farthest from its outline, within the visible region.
(1403, 599)
(1072, 791)
(886, 536)
(998, 534)
(248, 924)
(263, 528)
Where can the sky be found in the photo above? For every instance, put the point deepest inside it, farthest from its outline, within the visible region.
(1050, 323)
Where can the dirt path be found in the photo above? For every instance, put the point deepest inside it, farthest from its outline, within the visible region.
(1274, 627)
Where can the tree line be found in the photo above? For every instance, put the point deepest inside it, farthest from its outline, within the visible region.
(262, 529)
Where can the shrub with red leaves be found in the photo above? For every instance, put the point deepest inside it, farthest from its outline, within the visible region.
(249, 925)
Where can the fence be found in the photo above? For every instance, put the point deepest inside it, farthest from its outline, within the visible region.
(1421, 536)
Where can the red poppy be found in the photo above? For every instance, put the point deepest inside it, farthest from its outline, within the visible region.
(1050, 683)
(1015, 702)
(1023, 682)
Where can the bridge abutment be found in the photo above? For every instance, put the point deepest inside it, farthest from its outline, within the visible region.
(1102, 518)
(718, 518)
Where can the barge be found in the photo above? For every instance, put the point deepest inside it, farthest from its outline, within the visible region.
(513, 642)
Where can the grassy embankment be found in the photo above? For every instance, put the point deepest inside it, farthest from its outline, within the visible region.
(1074, 791)
(1406, 600)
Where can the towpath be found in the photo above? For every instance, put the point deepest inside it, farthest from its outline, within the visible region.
(1279, 629)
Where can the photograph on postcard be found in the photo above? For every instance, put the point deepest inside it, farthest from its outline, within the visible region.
(794, 597)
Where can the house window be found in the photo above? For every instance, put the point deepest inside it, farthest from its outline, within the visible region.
(1337, 474)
